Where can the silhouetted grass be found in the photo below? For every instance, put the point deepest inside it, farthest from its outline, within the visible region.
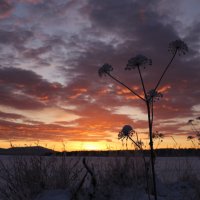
(90, 178)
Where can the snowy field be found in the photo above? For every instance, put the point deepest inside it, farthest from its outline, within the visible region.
(117, 178)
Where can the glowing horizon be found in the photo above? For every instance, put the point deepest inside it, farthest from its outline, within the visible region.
(175, 142)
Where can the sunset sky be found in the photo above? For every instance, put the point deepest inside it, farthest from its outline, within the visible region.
(50, 53)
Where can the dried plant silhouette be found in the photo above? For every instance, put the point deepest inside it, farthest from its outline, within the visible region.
(149, 97)
(126, 133)
(159, 137)
(195, 127)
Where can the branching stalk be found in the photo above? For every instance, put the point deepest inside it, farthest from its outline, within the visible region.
(165, 70)
(175, 46)
(149, 105)
(150, 123)
(142, 81)
(125, 86)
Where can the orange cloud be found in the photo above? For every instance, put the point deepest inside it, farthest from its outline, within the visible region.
(44, 98)
(165, 88)
(77, 92)
(126, 93)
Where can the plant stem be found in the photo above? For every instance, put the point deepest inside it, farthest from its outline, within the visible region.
(144, 90)
(152, 113)
(125, 86)
(145, 165)
(151, 149)
(150, 122)
(135, 142)
(166, 68)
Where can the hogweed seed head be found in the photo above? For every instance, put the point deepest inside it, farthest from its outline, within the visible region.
(190, 137)
(153, 95)
(179, 46)
(127, 131)
(138, 61)
(105, 69)
(158, 135)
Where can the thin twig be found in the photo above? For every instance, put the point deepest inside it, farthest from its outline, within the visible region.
(152, 113)
(74, 197)
(137, 135)
(134, 142)
(194, 129)
(94, 182)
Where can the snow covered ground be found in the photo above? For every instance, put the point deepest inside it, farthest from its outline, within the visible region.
(178, 178)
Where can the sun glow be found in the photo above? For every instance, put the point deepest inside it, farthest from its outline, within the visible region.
(92, 146)
(81, 146)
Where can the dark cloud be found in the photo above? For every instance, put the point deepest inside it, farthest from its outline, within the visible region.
(116, 15)
(16, 38)
(34, 53)
(19, 101)
(32, 1)
(193, 38)
(6, 9)
(24, 89)
(19, 76)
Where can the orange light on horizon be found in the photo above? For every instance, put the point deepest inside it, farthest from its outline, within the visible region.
(168, 142)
